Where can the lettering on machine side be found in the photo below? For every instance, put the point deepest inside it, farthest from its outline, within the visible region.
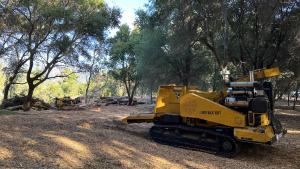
(217, 113)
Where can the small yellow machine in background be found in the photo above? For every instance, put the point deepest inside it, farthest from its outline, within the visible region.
(215, 121)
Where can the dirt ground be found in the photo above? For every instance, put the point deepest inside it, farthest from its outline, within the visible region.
(95, 138)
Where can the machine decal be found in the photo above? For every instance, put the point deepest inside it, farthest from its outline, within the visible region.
(217, 113)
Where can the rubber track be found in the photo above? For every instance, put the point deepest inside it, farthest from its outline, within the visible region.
(184, 143)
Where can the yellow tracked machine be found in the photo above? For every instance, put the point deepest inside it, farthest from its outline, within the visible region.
(215, 121)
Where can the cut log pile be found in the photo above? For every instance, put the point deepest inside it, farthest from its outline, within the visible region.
(67, 103)
(16, 103)
(115, 100)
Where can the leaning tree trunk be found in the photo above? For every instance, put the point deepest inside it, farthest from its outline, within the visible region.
(28, 100)
(6, 91)
(11, 80)
(7, 86)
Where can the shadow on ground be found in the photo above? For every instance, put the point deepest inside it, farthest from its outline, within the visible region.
(95, 139)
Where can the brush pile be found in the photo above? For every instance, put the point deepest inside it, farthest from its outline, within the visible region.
(67, 103)
(16, 103)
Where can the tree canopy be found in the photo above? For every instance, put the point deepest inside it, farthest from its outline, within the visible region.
(51, 33)
(172, 41)
(122, 62)
(194, 40)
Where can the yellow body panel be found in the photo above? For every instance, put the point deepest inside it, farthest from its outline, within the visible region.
(194, 106)
(168, 99)
(256, 134)
(214, 96)
(266, 73)
(264, 119)
(263, 73)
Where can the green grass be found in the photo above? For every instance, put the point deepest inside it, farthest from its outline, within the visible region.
(6, 112)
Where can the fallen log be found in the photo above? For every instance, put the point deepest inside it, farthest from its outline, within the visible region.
(115, 100)
(14, 108)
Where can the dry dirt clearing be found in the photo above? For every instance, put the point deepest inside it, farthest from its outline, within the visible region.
(95, 139)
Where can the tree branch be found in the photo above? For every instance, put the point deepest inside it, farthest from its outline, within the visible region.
(19, 83)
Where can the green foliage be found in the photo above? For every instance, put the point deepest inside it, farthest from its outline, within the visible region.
(69, 86)
(48, 91)
(169, 51)
(49, 33)
(262, 33)
(105, 85)
(102, 85)
(183, 42)
(189, 42)
(122, 62)
(152, 63)
(122, 57)
(59, 88)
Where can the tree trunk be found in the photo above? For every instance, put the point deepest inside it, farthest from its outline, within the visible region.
(130, 101)
(131, 95)
(295, 101)
(279, 97)
(11, 79)
(28, 101)
(86, 93)
(187, 69)
(5, 91)
(225, 30)
(289, 99)
(128, 92)
(296, 96)
(8, 84)
(215, 80)
(151, 97)
(185, 81)
(87, 89)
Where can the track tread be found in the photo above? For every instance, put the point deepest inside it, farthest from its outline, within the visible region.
(174, 140)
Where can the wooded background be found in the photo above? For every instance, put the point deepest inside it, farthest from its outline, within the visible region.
(61, 48)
